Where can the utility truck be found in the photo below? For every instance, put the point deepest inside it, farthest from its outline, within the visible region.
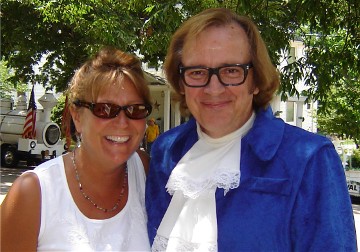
(345, 152)
(46, 145)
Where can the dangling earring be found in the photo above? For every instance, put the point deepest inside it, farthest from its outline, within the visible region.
(78, 140)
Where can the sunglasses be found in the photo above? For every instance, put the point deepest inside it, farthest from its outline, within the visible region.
(109, 110)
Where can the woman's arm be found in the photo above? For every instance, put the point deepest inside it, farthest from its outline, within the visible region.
(20, 215)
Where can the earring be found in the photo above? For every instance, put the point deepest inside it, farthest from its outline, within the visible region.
(78, 140)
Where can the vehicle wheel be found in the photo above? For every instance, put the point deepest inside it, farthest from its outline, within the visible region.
(8, 157)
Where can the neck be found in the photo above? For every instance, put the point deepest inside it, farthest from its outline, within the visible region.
(96, 193)
(92, 170)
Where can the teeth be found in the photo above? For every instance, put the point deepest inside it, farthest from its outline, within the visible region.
(118, 139)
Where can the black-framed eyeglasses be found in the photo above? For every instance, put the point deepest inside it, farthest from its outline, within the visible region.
(109, 110)
(228, 75)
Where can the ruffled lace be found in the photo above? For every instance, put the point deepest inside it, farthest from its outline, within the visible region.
(210, 163)
(190, 222)
(192, 188)
(161, 244)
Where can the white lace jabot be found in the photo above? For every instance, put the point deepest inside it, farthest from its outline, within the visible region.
(190, 223)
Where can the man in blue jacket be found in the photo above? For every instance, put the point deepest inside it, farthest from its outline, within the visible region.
(234, 177)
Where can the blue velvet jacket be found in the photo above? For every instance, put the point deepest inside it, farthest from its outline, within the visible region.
(292, 195)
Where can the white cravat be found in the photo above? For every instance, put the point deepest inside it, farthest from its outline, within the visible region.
(190, 222)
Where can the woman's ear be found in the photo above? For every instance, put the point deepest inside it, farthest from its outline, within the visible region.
(75, 115)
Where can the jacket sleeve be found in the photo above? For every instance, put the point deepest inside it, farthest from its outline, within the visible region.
(322, 217)
(156, 197)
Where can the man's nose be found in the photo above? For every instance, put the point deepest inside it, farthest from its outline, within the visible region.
(214, 87)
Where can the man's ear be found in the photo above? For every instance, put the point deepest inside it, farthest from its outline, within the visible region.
(254, 90)
(181, 88)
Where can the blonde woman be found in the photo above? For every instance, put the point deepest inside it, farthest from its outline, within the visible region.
(92, 198)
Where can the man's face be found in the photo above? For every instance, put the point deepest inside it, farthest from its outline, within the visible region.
(219, 109)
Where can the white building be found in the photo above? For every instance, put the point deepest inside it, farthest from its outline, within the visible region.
(295, 111)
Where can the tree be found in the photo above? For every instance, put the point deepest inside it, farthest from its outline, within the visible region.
(7, 87)
(57, 111)
(342, 114)
(66, 32)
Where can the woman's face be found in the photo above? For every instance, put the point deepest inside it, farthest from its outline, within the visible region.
(219, 109)
(111, 141)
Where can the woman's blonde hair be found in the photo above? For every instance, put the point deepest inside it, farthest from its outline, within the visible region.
(266, 77)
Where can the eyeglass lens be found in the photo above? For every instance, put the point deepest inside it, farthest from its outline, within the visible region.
(108, 110)
(228, 75)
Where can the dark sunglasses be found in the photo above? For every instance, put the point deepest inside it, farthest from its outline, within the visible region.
(109, 110)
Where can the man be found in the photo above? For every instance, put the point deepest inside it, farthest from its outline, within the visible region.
(151, 133)
(234, 177)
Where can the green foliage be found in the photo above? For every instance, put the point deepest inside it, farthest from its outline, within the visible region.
(66, 32)
(57, 111)
(7, 86)
(355, 159)
(342, 113)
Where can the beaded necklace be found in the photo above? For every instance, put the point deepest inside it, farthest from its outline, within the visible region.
(105, 210)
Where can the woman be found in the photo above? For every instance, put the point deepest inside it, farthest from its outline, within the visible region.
(90, 199)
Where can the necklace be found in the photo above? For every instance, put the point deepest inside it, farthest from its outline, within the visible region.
(105, 210)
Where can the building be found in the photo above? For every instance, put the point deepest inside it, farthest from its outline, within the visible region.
(296, 111)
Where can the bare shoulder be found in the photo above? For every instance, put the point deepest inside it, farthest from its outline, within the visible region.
(145, 158)
(25, 189)
(20, 213)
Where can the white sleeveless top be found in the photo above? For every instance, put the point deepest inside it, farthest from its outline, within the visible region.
(64, 228)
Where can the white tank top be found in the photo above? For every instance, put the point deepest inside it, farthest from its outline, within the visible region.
(64, 228)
